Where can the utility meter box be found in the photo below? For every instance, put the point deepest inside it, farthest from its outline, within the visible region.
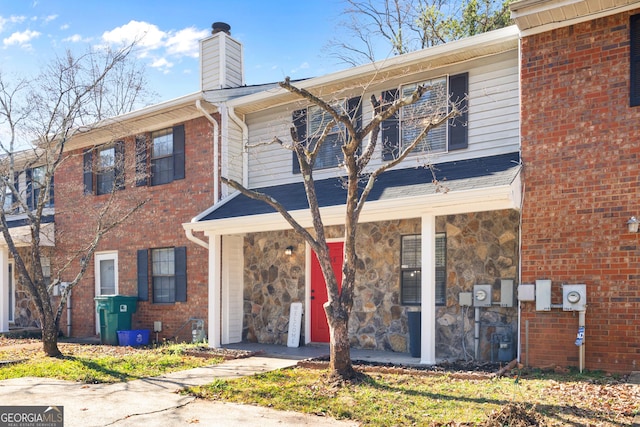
(574, 297)
(482, 295)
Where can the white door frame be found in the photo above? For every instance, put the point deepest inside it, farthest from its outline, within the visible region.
(12, 291)
(98, 257)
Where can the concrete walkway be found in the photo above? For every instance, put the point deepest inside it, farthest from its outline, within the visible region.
(155, 402)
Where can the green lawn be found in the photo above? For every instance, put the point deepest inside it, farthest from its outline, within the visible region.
(97, 363)
(400, 399)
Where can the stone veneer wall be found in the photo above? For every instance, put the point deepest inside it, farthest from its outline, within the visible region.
(25, 315)
(481, 248)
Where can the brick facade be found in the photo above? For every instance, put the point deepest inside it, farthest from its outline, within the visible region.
(156, 225)
(580, 152)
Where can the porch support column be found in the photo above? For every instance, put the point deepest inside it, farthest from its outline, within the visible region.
(428, 322)
(4, 289)
(215, 286)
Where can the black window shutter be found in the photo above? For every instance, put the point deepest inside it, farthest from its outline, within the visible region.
(300, 123)
(14, 198)
(119, 165)
(142, 154)
(459, 88)
(181, 273)
(178, 152)
(51, 192)
(390, 128)
(354, 108)
(87, 175)
(634, 70)
(29, 189)
(143, 275)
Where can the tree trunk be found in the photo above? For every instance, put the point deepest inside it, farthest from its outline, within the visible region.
(340, 367)
(50, 336)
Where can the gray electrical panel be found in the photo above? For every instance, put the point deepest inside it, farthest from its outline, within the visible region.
(506, 293)
(543, 295)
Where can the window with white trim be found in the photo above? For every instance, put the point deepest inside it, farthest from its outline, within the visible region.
(411, 269)
(416, 117)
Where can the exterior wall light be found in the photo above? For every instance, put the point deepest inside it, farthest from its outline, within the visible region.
(289, 249)
(633, 224)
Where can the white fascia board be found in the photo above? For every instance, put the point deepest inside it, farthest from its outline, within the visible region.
(480, 43)
(478, 200)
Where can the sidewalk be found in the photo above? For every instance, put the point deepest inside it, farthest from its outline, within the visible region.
(155, 402)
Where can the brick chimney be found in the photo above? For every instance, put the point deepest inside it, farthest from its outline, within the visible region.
(221, 59)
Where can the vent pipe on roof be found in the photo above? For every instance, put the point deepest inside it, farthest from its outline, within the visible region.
(217, 27)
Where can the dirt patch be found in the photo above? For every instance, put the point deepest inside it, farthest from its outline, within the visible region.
(224, 353)
(459, 370)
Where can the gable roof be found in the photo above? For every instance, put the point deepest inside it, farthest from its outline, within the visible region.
(467, 183)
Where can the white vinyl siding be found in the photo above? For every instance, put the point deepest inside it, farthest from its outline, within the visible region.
(493, 125)
(232, 289)
(221, 62)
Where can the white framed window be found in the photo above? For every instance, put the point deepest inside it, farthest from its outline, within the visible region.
(330, 153)
(162, 156)
(106, 170)
(411, 269)
(163, 271)
(415, 117)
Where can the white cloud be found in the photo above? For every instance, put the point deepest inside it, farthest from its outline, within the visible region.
(50, 18)
(76, 38)
(303, 66)
(185, 42)
(12, 19)
(162, 64)
(149, 36)
(64, 27)
(22, 39)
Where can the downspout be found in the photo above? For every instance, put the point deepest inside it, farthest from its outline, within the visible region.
(69, 314)
(216, 159)
(216, 138)
(245, 141)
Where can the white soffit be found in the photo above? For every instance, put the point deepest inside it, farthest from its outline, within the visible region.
(537, 16)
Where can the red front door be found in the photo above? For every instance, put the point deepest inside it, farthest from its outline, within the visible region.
(319, 325)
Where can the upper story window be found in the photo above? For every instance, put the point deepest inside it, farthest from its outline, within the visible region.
(160, 160)
(311, 122)
(400, 130)
(414, 118)
(104, 169)
(634, 50)
(29, 184)
(8, 200)
(38, 183)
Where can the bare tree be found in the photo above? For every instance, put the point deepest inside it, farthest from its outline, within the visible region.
(37, 120)
(376, 29)
(358, 182)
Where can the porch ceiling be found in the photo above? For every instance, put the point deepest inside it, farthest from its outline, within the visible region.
(473, 185)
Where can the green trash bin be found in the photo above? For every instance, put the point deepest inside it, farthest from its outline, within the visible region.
(114, 314)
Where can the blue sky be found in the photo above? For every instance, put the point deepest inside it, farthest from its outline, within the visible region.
(280, 38)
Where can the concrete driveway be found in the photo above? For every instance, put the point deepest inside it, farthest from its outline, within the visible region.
(155, 402)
